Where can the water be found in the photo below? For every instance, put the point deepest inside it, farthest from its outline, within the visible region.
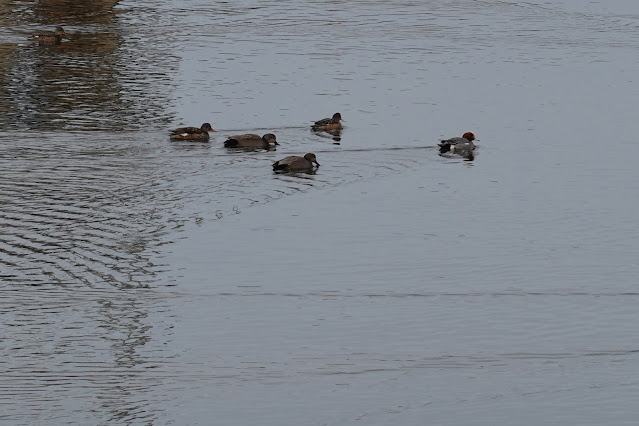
(151, 282)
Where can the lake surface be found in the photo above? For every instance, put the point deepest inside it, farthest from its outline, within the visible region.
(146, 281)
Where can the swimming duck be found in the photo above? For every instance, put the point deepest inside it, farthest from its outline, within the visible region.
(328, 123)
(295, 163)
(250, 140)
(463, 146)
(192, 133)
(54, 37)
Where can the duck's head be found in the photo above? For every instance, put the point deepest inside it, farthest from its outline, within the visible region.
(337, 116)
(59, 31)
(469, 136)
(311, 158)
(207, 127)
(270, 138)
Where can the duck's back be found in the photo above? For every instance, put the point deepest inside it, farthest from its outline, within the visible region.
(322, 122)
(47, 38)
(292, 163)
(247, 140)
(453, 141)
(189, 134)
(293, 159)
(187, 130)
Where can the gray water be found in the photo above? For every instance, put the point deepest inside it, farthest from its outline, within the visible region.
(146, 281)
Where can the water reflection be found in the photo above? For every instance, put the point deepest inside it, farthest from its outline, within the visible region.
(76, 11)
(335, 134)
(70, 344)
(100, 78)
(126, 329)
(457, 158)
(303, 174)
(7, 52)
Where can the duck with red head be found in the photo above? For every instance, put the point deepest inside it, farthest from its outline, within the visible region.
(463, 146)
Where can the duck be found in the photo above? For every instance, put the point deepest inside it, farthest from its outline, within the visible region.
(328, 123)
(192, 133)
(250, 140)
(54, 37)
(295, 163)
(463, 146)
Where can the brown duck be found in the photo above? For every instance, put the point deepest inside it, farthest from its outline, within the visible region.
(295, 163)
(192, 133)
(54, 37)
(250, 140)
(329, 123)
